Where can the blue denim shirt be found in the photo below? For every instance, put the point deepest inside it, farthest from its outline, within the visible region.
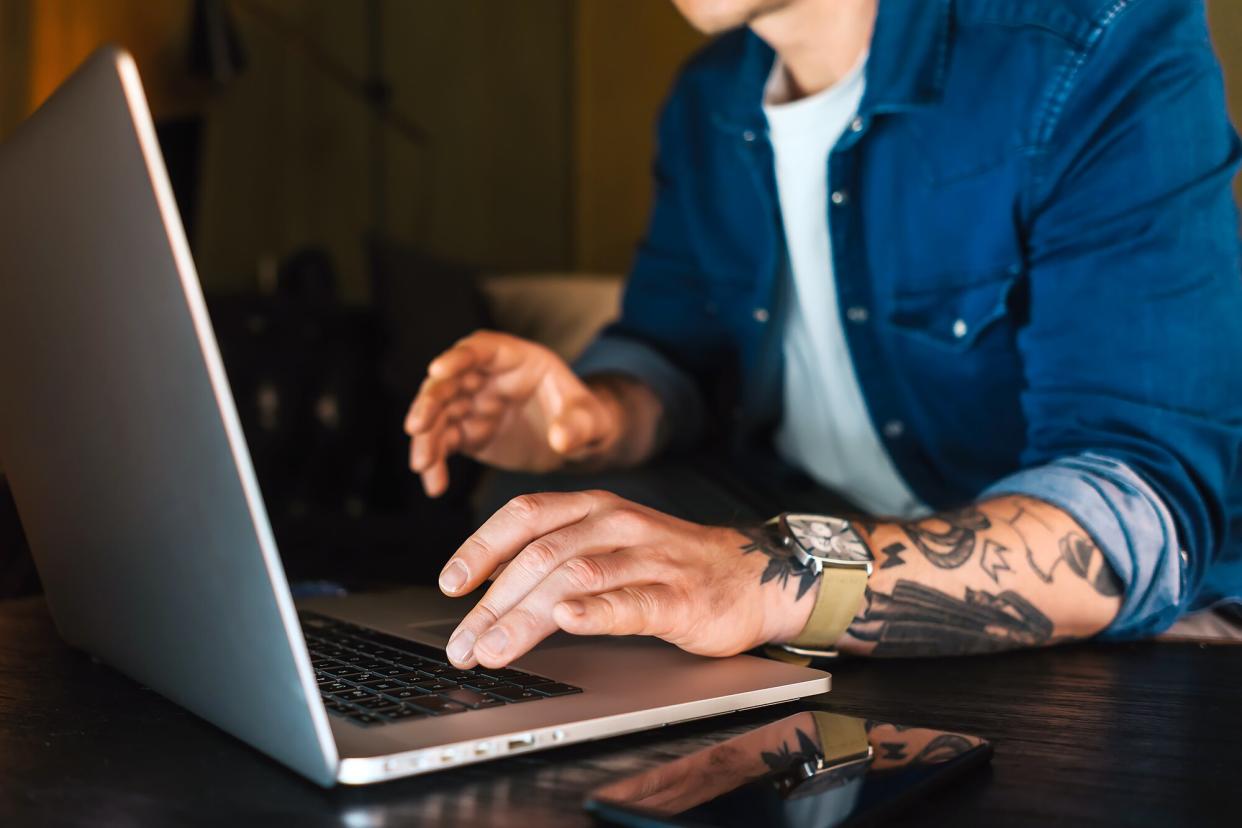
(1037, 262)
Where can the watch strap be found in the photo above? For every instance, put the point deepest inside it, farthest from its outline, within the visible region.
(841, 593)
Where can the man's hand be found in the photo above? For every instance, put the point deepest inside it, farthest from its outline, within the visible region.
(508, 403)
(591, 563)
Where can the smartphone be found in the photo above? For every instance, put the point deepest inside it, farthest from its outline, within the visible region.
(812, 770)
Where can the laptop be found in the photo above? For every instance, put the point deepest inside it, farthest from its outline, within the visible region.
(132, 478)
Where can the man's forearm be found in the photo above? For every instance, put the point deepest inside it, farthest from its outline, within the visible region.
(1007, 573)
(640, 413)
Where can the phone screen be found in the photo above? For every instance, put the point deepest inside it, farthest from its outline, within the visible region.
(811, 770)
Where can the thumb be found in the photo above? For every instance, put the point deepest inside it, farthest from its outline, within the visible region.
(581, 424)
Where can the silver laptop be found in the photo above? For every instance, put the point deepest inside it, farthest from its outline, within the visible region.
(124, 451)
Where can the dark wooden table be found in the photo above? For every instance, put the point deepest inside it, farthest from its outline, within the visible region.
(1134, 734)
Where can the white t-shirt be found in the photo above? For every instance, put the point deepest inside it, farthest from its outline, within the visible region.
(826, 429)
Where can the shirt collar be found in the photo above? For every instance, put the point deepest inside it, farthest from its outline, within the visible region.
(906, 68)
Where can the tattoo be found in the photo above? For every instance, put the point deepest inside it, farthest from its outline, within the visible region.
(944, 747)
(1037, 558)
(1079, 553)
(917, 620)
(950, 547)
(892, 554)
(993, 560)
(782, 565)
(1074, 549)
(893, 750)
(784, 758)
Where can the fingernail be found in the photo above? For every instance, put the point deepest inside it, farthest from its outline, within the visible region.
(453, 576)
(495, 640)
(460, 645)
(574, 607)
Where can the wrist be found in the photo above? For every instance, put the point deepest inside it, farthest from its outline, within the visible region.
(632, 409)
(788, 615)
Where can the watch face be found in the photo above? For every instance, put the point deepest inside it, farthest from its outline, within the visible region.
(828, 537)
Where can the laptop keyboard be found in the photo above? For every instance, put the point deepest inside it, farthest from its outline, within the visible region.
(372, 678)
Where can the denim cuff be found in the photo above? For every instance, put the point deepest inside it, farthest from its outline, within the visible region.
(678, 393)
(1128, 522)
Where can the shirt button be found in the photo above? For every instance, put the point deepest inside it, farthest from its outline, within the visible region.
(1185, 558)
(894, 429)
(840, 197)
(960, 328)
(857, 124)
(748, 136)
(857, 314)
(761, 315)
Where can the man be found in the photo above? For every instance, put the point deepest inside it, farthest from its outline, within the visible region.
(970, 264)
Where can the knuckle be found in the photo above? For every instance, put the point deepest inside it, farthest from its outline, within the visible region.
(538, 558)
(586, 574)
(523, 507)
(476, 548)
(482, 616)
(627, 519)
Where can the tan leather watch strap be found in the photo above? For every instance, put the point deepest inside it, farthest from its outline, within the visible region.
(841, 591)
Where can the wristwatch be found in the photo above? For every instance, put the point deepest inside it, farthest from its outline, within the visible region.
(832, 549)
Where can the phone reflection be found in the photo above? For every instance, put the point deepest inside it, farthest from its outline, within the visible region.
(812, 769)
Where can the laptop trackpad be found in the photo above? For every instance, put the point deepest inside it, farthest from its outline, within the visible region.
(443, 629)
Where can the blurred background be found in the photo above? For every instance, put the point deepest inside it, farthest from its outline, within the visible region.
(336, 163)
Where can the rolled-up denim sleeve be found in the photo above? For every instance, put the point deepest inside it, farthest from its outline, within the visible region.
(1130, 341)
(1128, 522)
(677, 391)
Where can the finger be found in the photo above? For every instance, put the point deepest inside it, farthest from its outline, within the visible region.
(427, 447)
(436, 478)
(515, 632)
(516, 524)
(631, 610)
(431, 398)
(485, 351)
(542, 561)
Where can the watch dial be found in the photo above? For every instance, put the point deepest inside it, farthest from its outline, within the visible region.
(828, 537)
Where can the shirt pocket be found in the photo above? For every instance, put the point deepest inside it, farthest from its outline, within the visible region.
(956, 315)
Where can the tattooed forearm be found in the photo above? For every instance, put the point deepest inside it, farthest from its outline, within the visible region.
(782, 565)
(1011, 595)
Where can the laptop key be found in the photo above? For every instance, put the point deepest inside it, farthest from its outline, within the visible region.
(526, 680)
(346, 673)
(353, 695)
(436, 705)
(512, 693)
(337, 708)
(556, 688)
(432, 685)
(481, 683)
(470, 698)
(390, 672)
(403, 694)
(364, 719)
(501, 673)
(382, 686)
(333, 687)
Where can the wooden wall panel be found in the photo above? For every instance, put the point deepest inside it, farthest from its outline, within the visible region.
(626, 54)
(1226, 20)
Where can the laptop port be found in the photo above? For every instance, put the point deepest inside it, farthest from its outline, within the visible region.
(521, 742)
